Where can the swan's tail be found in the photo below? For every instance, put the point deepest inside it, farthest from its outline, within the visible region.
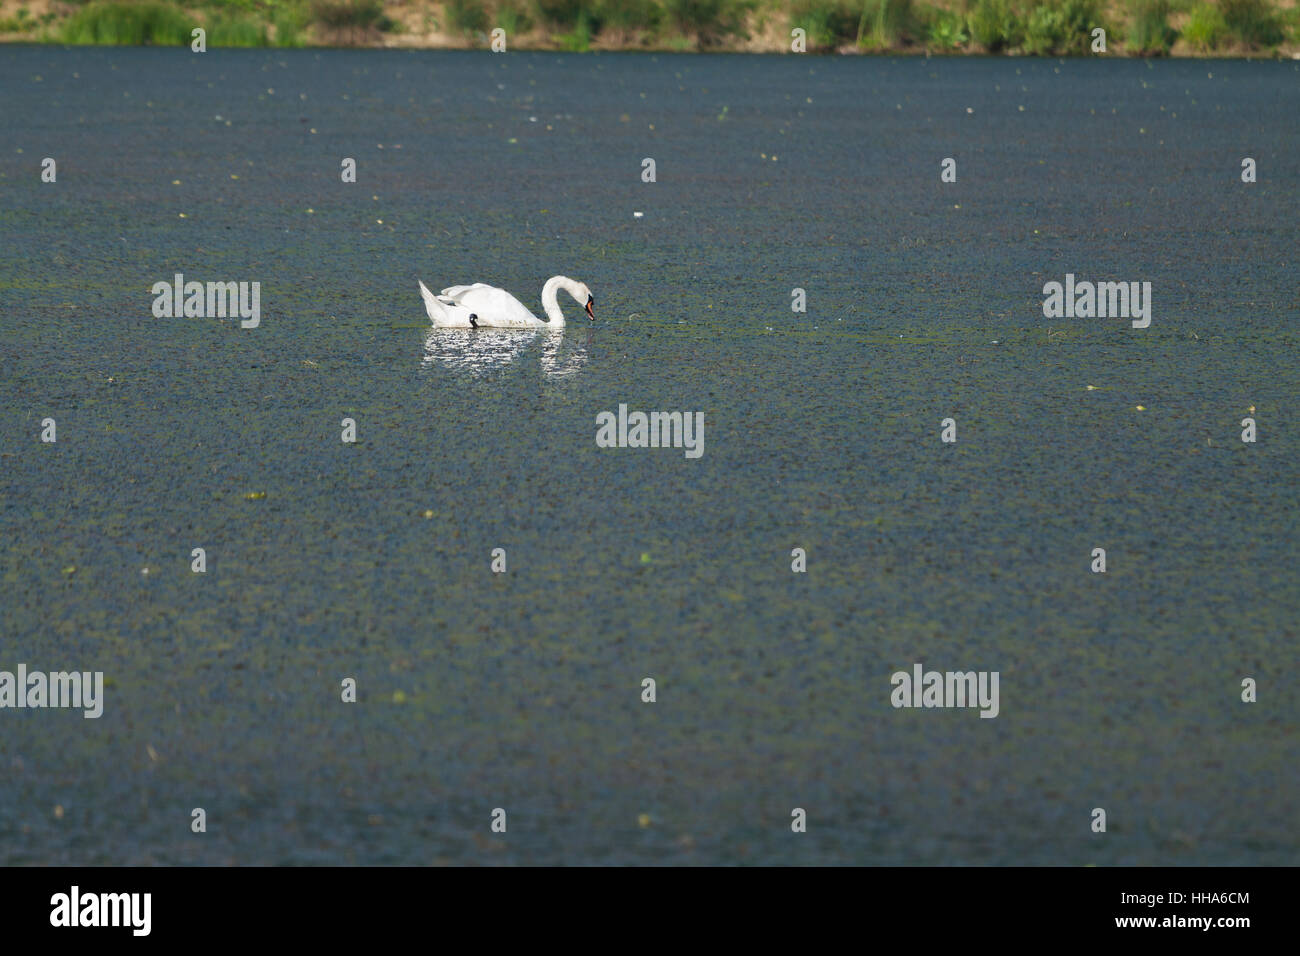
(437, 314)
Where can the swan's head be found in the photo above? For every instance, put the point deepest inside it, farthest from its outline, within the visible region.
(584, 297)
(581, 294)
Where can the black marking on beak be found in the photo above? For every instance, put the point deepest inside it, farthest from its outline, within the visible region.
(591, 310)
(473, 320)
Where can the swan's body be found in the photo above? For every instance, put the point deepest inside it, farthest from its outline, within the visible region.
(485, 306)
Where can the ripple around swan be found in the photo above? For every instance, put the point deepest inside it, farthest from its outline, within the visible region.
(483, 351)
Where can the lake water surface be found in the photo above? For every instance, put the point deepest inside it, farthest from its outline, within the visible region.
(522, 690)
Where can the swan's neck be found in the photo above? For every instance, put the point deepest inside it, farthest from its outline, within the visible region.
(549, 292)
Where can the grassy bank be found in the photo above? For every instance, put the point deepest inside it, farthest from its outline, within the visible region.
(1033, 27)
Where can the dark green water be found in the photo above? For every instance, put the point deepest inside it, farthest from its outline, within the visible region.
(522, 690)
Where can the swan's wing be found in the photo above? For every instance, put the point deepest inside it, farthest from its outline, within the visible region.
(451, 292)
(490, 303)
(437, 311)
(442, 313)
(432, 306)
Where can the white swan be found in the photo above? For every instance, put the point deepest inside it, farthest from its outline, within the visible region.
(485, 306)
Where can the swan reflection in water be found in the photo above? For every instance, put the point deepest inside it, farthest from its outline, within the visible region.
(480, 351)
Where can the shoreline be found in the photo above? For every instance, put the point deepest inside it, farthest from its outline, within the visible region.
(1183, 29)
(1277, 55)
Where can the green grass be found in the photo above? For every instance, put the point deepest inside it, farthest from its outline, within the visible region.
(1252, 23)
(1206, 29)
(1044, 30)
(630, 16)
(289, 23)
(945, 30)
(827, 23)
(562, 16)
(995, 26)
(354, 19)
(579, 39)
(232, 30)
(886, 23)
(512, 16)
(1149, 31)
(709, 21)
(1062, 28)
(152, 23)
(468, 16)
(129, 24)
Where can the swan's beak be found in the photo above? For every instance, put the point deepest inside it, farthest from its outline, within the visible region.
(591, 307)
